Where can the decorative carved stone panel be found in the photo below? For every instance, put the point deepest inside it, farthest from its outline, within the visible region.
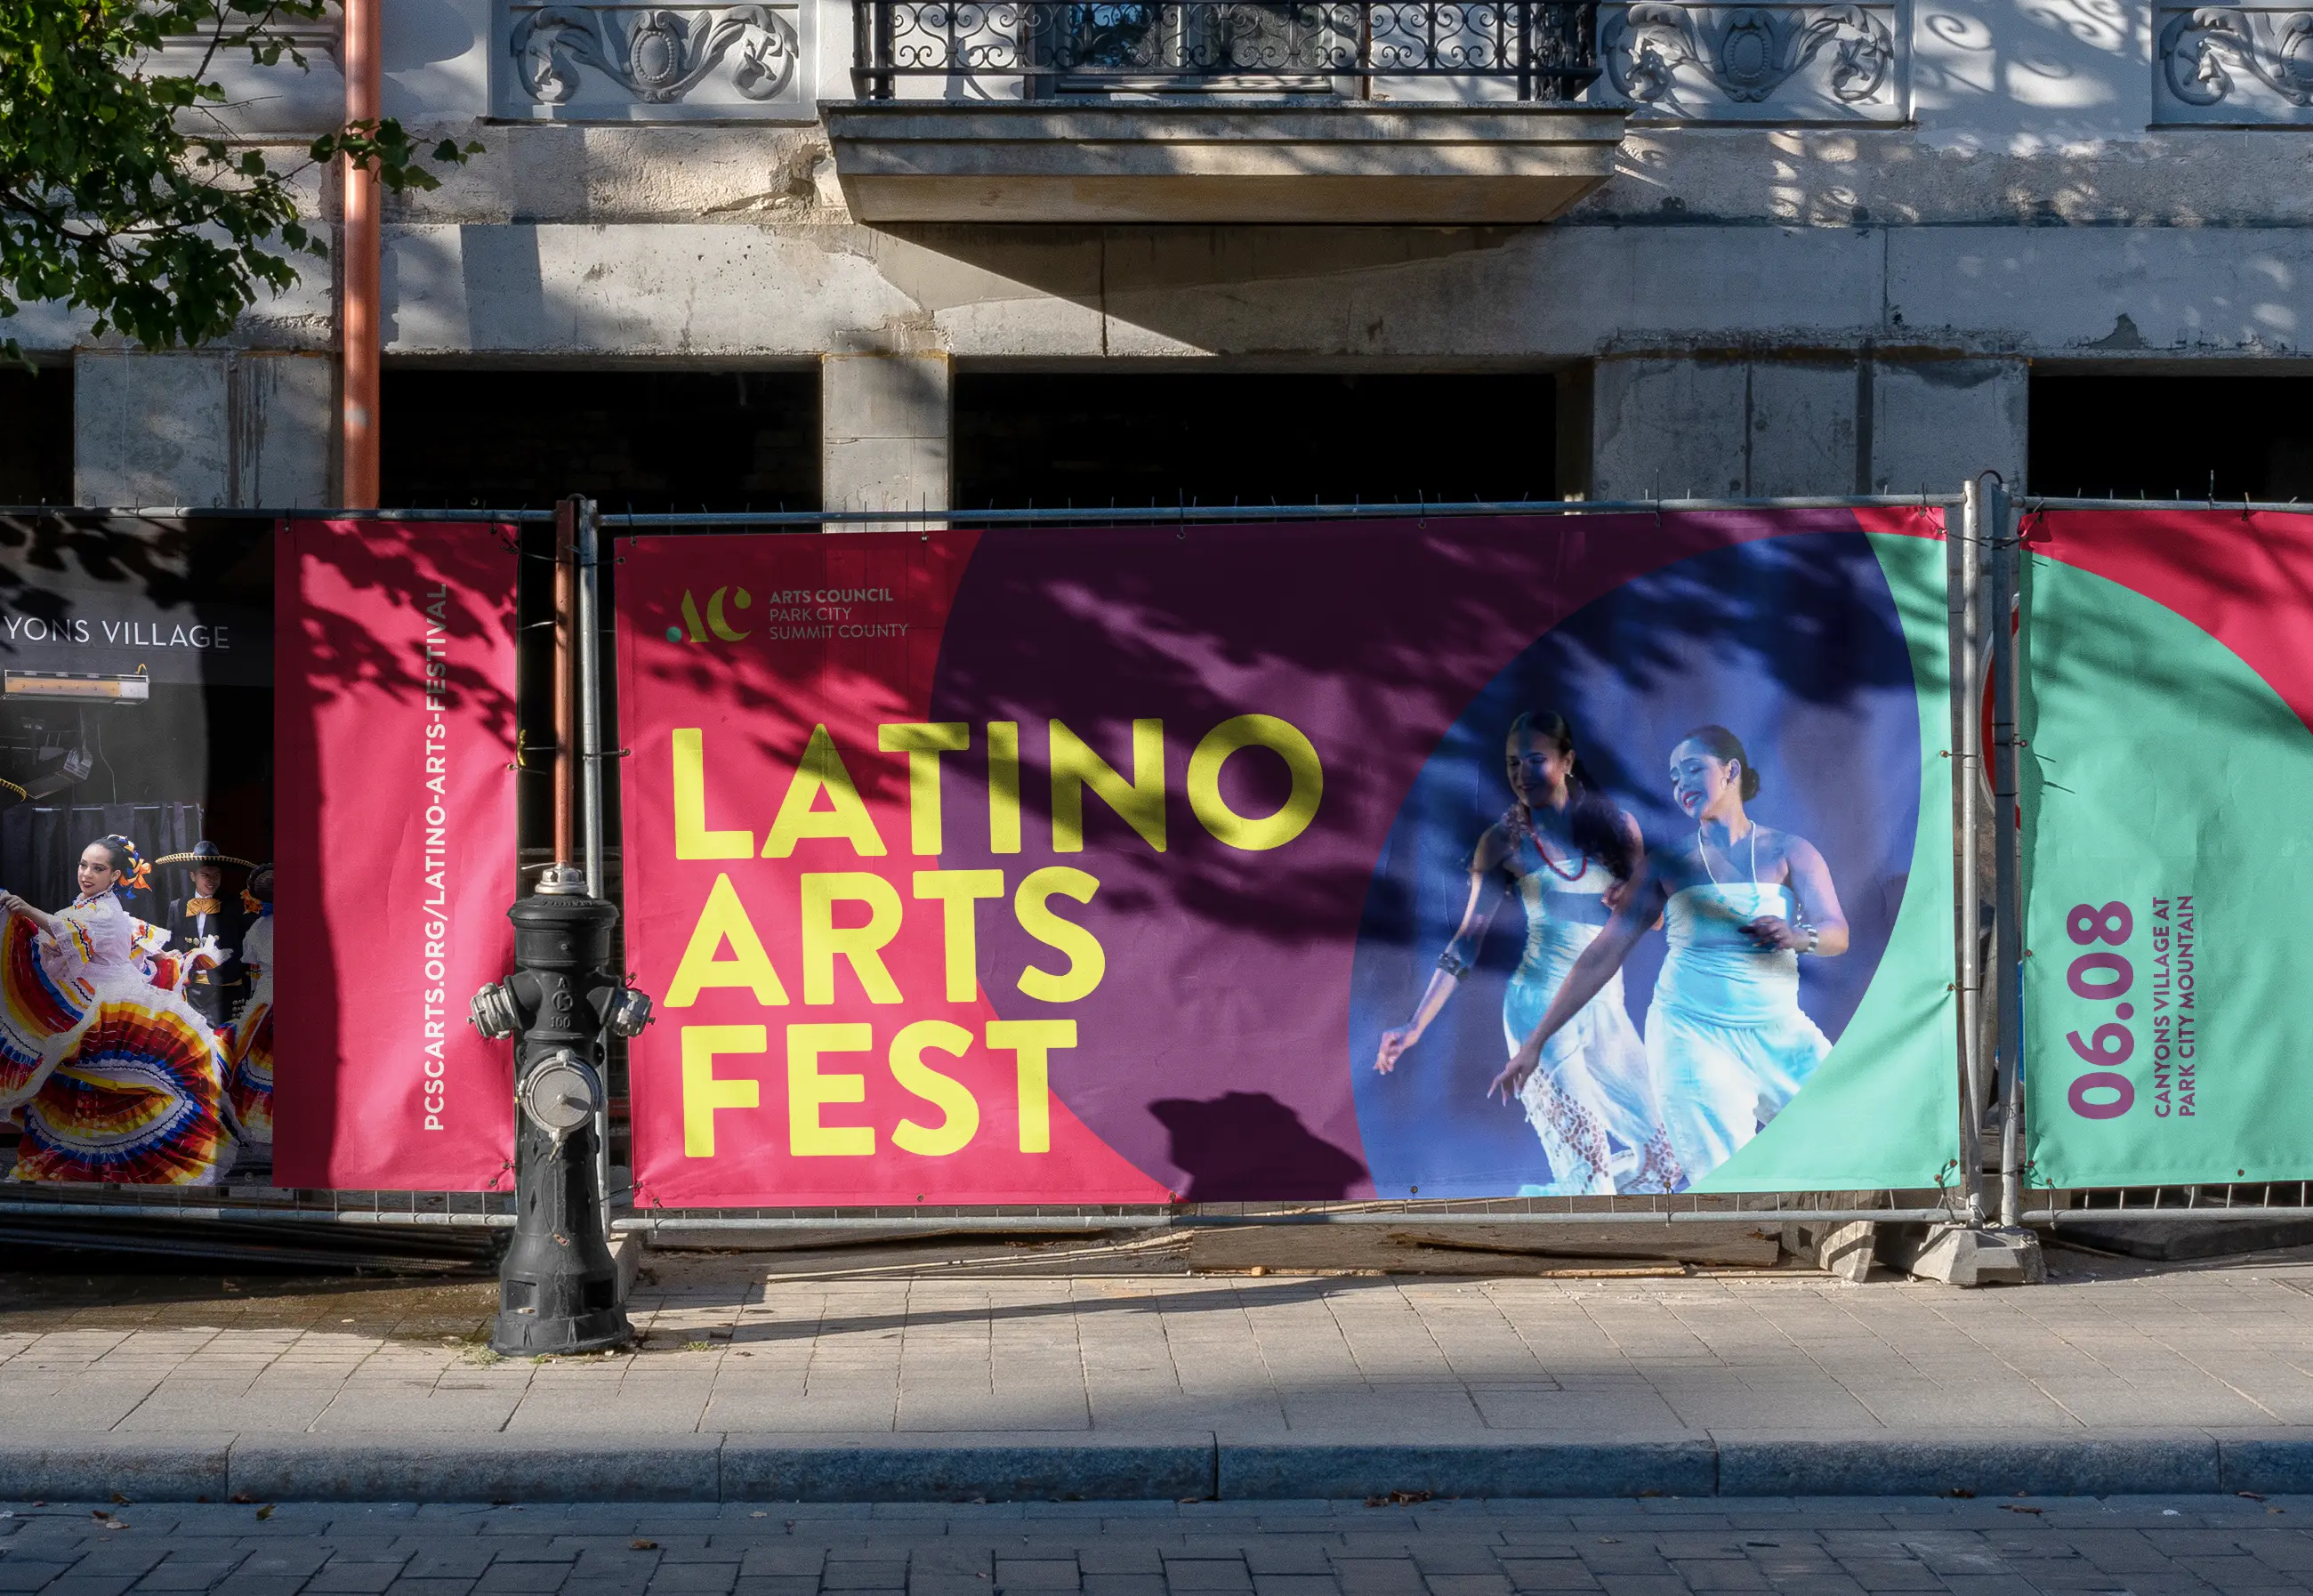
(1775, 64)
(2233, 65)
(589, 62)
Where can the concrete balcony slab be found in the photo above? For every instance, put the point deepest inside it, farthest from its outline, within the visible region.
(1197, 161)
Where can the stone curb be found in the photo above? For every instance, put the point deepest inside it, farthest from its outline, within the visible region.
(2171, 1464)
(955, 1467)
(1310, 1469)
(998, 1467)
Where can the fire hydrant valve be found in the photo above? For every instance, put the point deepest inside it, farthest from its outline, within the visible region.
(561, 1092)
(629, 1012)
(493, 1013)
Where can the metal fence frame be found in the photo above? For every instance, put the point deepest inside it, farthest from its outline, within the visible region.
(1982, 531)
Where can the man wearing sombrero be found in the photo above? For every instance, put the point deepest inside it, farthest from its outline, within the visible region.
(206, 911)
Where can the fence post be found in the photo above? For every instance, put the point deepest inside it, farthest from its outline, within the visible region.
(590, 690)
(589, 551)
(2007, 948)
(1964, 594)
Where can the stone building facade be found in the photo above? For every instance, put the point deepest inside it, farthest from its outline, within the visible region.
(1780, 247)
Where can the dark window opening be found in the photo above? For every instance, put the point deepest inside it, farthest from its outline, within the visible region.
(1226, 439)
(36, 434)
(640, 440)
(2172, 437)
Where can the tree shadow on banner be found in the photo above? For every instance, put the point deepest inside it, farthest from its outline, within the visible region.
(343, 588)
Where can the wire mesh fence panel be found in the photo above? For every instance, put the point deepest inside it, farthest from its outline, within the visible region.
(1991, 1104)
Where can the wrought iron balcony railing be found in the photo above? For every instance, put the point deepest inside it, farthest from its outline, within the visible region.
(1545, 48)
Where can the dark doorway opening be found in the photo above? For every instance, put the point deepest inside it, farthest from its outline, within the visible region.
(2172, 437)
(1217, 438)
(36, 434)
(642, 440)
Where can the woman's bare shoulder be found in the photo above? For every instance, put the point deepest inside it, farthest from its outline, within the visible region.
(1498, 843)
(1787, 848)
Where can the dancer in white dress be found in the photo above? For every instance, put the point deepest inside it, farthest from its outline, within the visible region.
(1567, 853)
(1727, 1041)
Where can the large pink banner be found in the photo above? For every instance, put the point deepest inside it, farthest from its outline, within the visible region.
(1085, 865)
(395, 749)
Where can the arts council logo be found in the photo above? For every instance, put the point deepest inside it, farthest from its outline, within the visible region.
(796, 615)
(717, 623)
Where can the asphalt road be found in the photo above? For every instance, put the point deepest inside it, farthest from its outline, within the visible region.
(1813, 1546)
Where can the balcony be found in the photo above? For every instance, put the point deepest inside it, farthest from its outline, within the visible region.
(1424, 111)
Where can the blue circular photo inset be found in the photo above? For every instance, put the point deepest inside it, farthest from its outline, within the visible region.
(1793, 645)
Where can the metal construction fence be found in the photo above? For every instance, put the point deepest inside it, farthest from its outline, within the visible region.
(1991, 1167)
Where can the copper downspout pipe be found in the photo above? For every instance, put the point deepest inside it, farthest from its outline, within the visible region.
(358, 265)
(566, 764)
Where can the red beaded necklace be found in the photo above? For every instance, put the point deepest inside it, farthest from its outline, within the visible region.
(1581, 860)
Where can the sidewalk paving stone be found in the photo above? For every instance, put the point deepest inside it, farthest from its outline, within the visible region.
(2111, 1377)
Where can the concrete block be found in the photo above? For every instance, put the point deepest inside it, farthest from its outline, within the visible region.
(1802, 427)
(207, 428)
(1962, 1254)
(1935, 424)
(1847, 1250)
(1814, 425)
(960, 1465)
(885, 474)
(77, 1470)
(285, 431)
(489, 1467)
(627, 1254)
(1886, 1465)
(1669, 429)
(1674, 428)
(1303, 1470)
(152, 429)
(884, 423)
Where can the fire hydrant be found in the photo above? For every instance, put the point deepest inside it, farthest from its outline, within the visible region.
(558, 1285)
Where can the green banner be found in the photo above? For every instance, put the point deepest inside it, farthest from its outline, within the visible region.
(2165, 673)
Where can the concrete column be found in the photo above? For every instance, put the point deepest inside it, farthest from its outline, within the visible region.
(1936, 423)
(284, 430)
(1804, 425)
(1669, 429)
(1802, 430)
(884, 422)
(209, 428)
(152, 429)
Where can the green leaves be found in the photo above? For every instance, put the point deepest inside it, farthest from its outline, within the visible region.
(120, 192)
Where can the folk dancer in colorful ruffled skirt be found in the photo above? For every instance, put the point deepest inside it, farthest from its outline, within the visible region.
(1568, 855)
(115, 1076)
(251, 1040)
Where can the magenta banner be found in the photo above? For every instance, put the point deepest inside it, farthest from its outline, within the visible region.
(395, 726)
(1255, 861)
